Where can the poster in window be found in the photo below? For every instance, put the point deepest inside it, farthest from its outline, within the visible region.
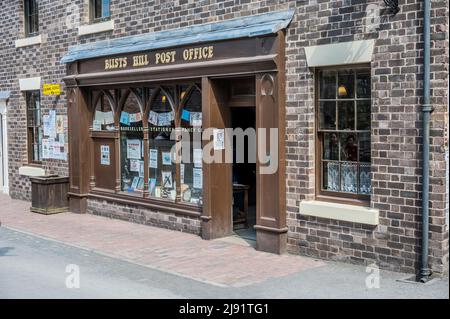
(198, 157)
(182, 173)
(153, 158)
(198, 178)
(135, 165)
(196, 119)
(219, 139)
(104, 155)
(166, 179)
(153, 118)
(135, 183)
(125, 118)
(151, 185)
(133, 149)
(166, 158)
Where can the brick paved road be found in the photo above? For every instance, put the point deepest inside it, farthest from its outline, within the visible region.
(218, 262)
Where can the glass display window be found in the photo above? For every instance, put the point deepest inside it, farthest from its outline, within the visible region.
(131, 147)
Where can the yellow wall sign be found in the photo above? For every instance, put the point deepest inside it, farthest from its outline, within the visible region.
(52, 89)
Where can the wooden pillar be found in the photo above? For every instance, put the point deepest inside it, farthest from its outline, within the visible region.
(79, 149)
(217, 177)
(271, 229)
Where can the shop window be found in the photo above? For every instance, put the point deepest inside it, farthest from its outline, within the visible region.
(161, 166)
(344, 133)
(131, 147)
(31, 16)
(100, 10)
(103, 116)
(191, 176)
(34, 126)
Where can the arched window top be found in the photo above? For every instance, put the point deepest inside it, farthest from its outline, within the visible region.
(162, 112)
(131, 112)
(104, 114)
(191, 112)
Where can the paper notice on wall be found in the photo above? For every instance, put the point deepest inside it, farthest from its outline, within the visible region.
(52, 123)
(198, 157)
(153, 158)
(197, 178)
(45, 148)
(60, 124)
(104, 155)
(46, 125)
(133, 149)
(219, 139)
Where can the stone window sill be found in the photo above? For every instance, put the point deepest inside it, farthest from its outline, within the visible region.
(96, 27)
(25, 42)
(348, 213)
(31, 171)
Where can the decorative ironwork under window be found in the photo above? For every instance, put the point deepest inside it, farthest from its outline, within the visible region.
(100, 10)
(31, 17)
(343, 131)
(34, 126)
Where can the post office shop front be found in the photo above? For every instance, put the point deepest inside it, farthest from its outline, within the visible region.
(127, 96)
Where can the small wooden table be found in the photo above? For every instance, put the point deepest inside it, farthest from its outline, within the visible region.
(241, 188)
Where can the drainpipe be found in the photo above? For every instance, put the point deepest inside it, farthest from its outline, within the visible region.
(425, 271)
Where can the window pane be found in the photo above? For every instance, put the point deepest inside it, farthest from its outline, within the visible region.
(363, 85)
(349, 177)
(97, 7)
(191, 168)
(331, 146)
(327, 115)
(331, 176)
(162, 169)
(104, 117)
(364, 147)
(363, 111)
(346, 85)
(105, 9)
(364, 178)
(349, 147)
(346, 111)
(131, 147)
(327, 84)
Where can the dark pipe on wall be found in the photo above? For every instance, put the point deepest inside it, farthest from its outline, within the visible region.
(425, 271)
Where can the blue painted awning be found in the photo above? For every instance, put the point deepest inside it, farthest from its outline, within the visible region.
(249, 26)
(4, 95)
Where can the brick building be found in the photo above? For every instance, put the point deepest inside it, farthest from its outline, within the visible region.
(348, 75)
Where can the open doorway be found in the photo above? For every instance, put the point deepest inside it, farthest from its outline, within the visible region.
(242, 106)
(244, 174)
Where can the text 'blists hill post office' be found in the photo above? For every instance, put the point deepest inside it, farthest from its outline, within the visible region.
(313, 113)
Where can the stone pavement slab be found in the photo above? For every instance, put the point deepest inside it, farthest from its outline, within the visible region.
(219, 262)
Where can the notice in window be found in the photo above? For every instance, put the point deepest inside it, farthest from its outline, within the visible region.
(104, 155)
(198, 178)
(133, 149)
(153, 158)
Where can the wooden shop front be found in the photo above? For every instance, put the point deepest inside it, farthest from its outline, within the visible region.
(126, 96)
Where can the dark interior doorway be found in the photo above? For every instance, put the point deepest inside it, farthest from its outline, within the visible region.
(244, 176)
